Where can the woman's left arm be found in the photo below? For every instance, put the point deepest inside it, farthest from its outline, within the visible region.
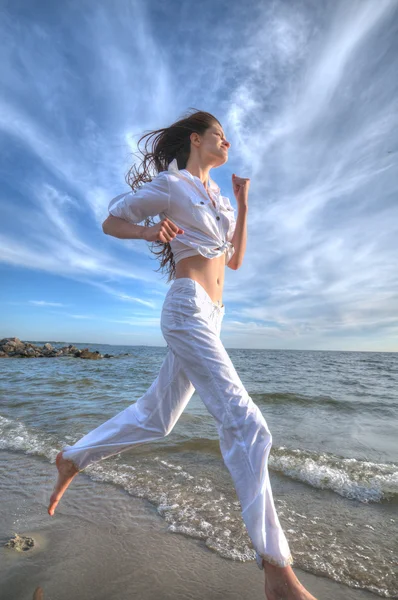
(241, 191)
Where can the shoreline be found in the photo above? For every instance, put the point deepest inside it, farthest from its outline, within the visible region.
(103, 543)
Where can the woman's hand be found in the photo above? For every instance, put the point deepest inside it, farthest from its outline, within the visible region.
(240, 186)
(164, 231)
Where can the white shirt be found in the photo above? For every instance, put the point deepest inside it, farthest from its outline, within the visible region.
(182, 197)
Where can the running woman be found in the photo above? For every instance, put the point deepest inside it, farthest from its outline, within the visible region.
(197, 236)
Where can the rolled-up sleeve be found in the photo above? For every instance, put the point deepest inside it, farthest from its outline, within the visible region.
(152, 198)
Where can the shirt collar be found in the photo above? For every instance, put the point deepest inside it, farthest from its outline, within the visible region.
(173, 168)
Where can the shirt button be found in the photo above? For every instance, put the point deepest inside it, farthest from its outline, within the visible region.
(218, 218)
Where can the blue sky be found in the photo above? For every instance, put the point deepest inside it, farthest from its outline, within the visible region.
(306, 92)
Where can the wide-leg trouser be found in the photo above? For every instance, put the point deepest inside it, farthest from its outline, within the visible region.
(197, 359)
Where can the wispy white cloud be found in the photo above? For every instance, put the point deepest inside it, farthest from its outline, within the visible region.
(45, 303)
(124, 297)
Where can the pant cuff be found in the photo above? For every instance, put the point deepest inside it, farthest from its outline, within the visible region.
(271, 559)
(71, 460)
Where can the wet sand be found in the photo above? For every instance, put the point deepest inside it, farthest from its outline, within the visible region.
(104, 544)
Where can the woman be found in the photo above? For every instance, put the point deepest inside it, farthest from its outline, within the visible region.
(198, 236)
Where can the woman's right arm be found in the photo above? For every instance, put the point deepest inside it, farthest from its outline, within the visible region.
(122, 229)
(131, 208)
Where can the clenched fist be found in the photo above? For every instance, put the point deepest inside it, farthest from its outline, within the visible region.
(240, 186)
(164, 231)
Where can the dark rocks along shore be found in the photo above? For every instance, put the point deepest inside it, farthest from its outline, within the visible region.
(15, 348)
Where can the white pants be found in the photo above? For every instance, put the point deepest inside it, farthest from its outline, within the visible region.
(197, 359)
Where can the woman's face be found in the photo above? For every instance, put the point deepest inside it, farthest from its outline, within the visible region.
(214, 146)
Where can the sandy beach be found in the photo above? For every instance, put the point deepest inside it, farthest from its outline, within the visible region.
(102, 543)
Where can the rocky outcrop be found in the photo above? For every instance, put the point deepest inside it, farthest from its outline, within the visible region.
(15, 348)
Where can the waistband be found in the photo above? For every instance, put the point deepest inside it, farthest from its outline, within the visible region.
(199, 290)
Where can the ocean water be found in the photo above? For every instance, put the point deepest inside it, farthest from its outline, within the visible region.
(333, 464)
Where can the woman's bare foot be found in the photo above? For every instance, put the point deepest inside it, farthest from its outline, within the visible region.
(281, 583)
(66, 472)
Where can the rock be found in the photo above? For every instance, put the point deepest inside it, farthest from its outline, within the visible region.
(11, 348)
(20, 543)
(91, 355)
(11, 343)
(27, 352)
(66, 350)
(48, 350)
(14, 340)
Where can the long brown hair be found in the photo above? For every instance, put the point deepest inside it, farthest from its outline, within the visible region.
(170, 142)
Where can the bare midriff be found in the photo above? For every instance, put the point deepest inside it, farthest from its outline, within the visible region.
(209, 272)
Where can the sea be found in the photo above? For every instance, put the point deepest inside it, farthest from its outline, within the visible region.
(333, 464)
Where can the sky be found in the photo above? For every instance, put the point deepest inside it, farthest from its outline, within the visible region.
(307, 94)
